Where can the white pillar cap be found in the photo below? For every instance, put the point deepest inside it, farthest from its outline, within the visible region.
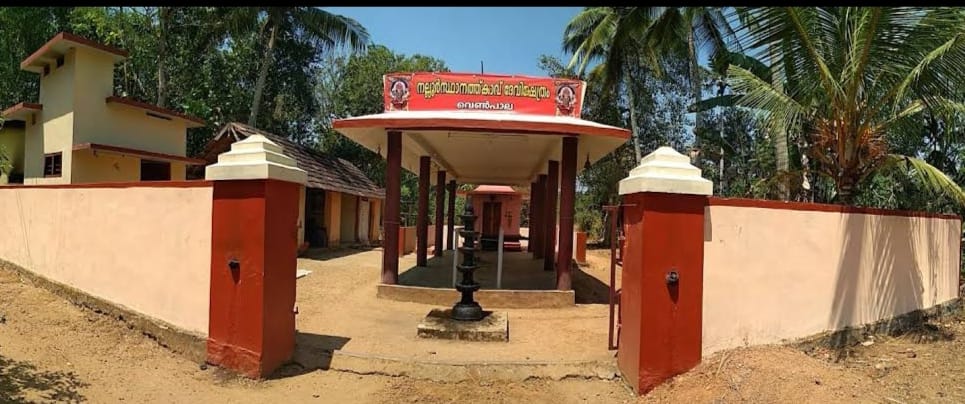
(255, 158)
(666, 171)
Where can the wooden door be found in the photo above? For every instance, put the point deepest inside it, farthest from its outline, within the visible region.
(491, 218)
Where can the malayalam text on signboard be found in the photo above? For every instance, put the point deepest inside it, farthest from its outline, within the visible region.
(478, 92)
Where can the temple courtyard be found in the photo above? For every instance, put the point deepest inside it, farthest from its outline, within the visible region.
(354, 347)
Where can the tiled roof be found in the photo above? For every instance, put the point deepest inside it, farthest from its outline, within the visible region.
(324, 171)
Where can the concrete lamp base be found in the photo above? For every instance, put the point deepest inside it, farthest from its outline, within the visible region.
(439, 324)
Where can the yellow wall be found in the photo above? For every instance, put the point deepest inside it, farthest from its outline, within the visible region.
(349, 218)
(178, 171)
(104, 167)
(75, 112)
(145, 248)
(333, 217)
(55, 124)
(12, 141)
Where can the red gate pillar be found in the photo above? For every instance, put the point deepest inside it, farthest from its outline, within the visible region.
(254, 237)
(661, 300)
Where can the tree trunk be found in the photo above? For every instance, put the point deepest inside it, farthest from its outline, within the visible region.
(634, 132)
(695, 80)
(163, 13)
(845, 188)
(780, 148)
(262, 75)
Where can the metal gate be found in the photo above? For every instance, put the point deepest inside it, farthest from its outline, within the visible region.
(614, 215)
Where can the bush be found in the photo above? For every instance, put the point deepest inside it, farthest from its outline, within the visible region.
(590, 221)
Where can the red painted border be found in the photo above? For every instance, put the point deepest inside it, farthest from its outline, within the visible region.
(142, 184)
(28, 106)
(66, 36)
(822, 207)
(140, 153)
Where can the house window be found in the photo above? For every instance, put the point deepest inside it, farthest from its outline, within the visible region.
(52, 164)
(155, 170)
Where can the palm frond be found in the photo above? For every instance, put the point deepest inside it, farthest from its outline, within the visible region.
(932, 178)
(331, 30)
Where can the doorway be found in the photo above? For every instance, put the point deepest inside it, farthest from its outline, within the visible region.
(315, 232)
(155, 170)
(491, 221)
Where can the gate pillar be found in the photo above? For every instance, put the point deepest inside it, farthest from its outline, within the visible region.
(662, 280)
(254, 243)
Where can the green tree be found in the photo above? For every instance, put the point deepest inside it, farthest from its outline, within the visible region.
(352, 86)
(691, 28)
(320, 28)
(864, 76)
(609, 35)
(24, 29)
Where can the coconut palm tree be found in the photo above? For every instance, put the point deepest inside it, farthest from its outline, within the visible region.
(692, 28)
(325, 29)
(611, 36)
(861, 75)
(778, 134)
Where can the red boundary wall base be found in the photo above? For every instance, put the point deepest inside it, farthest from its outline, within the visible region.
(660, 334)
(254, 242)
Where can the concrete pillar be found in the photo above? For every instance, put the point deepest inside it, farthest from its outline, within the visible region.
(422, 220)
(254, 243)
(662, 286)
(440, 201)
(451, 212)
(549, 216)
(537, 218)
(393, 198)
(567, 208)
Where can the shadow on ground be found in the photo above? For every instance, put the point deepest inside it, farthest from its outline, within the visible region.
(312, 352)
(325, 254)
(22, 382)
(589, 289)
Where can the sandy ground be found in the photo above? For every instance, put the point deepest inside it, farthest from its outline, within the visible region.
(337, 309)
(52, 351)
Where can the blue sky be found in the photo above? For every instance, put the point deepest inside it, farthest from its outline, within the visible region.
(507, 39)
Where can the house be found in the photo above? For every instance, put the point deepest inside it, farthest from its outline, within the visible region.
(80, 132)
(341, 206)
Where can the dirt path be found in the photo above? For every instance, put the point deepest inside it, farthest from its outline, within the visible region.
(52, 351)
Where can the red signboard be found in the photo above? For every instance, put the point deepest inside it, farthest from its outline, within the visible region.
(481, 92)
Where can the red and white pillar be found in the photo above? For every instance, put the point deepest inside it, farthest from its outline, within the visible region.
(661, 301)
(254, 243)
